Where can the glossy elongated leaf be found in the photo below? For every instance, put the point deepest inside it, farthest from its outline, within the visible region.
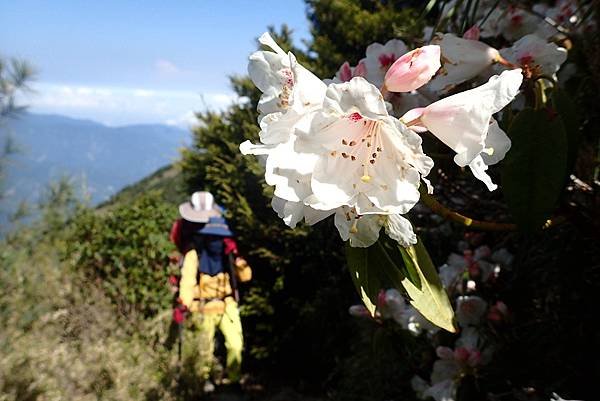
(535, 167)
(567, 110)
(385, 263)
(431, 299)
(365, 275)
(398, 267)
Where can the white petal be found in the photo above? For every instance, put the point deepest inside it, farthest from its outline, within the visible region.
(469, 339)
(290, 212)
(312, 216)
(366, 228)
(428, 185)
(248, 148)
(356, 95)
(497, 142)
(442, 391)
(332, 181)
(461, 121)
(449, 274)
(464, 59)
(479, 168)
(401, 230)
(419, 386)
(276, 127)
(470, 310)
(293, 212)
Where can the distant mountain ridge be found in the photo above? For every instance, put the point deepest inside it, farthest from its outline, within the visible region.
(103, 159)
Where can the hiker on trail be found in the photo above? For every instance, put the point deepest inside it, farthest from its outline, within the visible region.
(208, 290)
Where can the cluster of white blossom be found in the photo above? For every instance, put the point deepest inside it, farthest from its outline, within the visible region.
(463, 277)
(336, 147)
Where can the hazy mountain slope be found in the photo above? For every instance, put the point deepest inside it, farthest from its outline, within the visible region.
(100, 159)
(168, 180)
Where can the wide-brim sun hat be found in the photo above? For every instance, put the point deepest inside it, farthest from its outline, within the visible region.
(216, 226)
(200, 208)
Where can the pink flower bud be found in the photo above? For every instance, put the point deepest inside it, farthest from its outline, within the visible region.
(360, 70)
(472, 33)
(413, 70)
(381, 300)
(345, 73)
(358, 311)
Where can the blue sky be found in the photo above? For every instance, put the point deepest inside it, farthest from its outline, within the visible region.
(147, 61)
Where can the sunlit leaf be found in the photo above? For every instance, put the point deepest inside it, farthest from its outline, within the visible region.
(431, 299)
(367, 282)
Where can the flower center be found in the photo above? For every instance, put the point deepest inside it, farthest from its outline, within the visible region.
(287, 87)
(526, 59)
(364, 145)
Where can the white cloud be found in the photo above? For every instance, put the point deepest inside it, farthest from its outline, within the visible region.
(120, 105)
(166, 67)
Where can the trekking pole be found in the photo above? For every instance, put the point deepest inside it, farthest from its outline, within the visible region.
(179, 344)
(236, 293)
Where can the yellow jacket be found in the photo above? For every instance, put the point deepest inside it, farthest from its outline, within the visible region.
(201, 292)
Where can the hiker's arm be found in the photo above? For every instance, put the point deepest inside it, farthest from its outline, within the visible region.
(188, 278)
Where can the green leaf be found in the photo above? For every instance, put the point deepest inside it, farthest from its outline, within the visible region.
(535, 168)
(396, 270)
(567, 110)
(431, 300)
(373, 268)
(367, 283)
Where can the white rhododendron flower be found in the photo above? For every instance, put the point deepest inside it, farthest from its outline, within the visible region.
(379, 58)
(462, 121)
(413, 70)
(511, 22)
(451, 367)
(567, 14)
(367, 159)
(289, 91)
(535, 55)
(462, 59)
(392, 305)
(470, 310)
(346, 73)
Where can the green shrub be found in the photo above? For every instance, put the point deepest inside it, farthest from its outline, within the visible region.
(127, 251)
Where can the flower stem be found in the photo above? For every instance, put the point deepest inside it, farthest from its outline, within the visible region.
(384, 91)
(501, 60)
(451, 215)
(413, 122)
